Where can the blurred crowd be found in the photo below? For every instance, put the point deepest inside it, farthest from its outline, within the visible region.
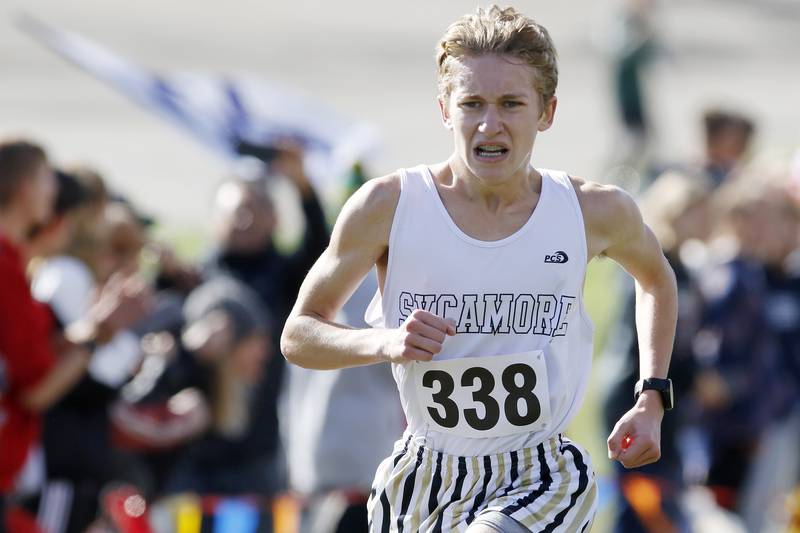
(144, 392)
(139, 392)
(729, 225)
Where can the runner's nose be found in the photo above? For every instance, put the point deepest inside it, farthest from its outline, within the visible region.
(491, 122)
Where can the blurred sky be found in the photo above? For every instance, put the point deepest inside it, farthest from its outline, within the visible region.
(373, 60)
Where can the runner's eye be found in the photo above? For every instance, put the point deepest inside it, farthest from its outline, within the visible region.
(470, 104)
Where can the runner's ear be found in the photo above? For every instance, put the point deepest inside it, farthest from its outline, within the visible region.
(548, 114)
(446, 120)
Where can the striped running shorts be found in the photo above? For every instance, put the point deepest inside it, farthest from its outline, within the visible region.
(549, 488)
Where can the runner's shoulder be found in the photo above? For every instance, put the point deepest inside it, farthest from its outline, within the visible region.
(381, 194)
(376, 199)
(370, 211)
(604, 205)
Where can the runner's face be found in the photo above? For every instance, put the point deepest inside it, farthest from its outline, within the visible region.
(495, 113)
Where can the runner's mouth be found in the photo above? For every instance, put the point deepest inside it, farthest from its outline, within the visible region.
(490, 151)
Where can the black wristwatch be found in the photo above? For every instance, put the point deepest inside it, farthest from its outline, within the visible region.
(663, 386)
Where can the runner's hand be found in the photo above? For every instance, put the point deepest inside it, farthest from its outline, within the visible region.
(636, 438)
(420, 337)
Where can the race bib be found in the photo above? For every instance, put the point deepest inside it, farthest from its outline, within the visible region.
(485, 396)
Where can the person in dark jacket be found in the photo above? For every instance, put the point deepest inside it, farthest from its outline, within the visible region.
(227, 334)
(246, 251)
(748, 380)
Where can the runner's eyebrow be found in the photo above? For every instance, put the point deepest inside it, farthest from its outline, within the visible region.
(509, 96)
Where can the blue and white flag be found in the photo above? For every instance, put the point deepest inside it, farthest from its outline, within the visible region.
(232, 115)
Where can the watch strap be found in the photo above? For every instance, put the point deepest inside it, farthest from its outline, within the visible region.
(662, 386)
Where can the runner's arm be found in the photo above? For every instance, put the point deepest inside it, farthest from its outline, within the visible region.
(634, 247)
(616, 230)
(360, 239)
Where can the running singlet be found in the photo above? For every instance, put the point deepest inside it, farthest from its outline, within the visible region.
(516, 371)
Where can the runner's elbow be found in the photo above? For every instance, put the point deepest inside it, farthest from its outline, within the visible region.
(289, 345)
(292, 345)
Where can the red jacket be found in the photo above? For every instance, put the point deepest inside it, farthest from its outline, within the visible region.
(25, 358)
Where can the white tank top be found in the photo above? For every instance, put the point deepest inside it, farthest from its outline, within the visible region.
(513, 300)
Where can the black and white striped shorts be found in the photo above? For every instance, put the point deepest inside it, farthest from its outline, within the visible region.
(549, 488)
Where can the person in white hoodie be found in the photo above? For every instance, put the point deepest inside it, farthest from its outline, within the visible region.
(81, 252)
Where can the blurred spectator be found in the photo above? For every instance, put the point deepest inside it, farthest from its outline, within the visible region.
(34, 375)
(172, 274)
(27, 192)
(775, 466)
(164, 407)
(245, 222)
(57, 232)
(80, 457)
(728, 135)
(126, 238)
(738, 351)
(227, 335)
(634, 47)
(192, 407)
(677, 207)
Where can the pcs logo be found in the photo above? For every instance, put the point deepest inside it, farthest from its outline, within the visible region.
(558, 257)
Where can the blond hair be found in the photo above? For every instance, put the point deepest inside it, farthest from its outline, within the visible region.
(766, 180)
(501, 32)
(669, 197)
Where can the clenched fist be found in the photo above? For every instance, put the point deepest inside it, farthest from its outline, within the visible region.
(420, 337)
(636, 438)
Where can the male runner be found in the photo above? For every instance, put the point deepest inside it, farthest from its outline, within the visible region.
(481, 261)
